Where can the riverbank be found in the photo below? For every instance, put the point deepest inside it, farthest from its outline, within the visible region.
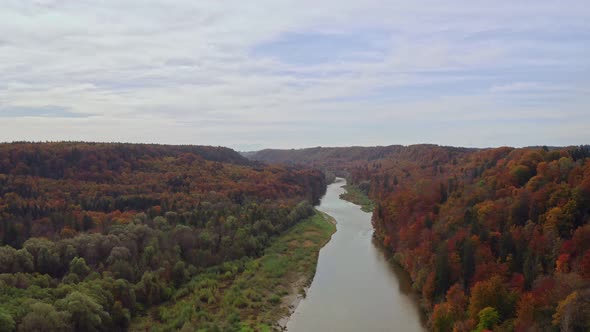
(250, 294)
(356, 196)
(298, 289)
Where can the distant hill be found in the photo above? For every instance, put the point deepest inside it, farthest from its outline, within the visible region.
(339, 160)
(47, 159)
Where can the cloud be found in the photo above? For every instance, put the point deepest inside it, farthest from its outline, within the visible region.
(531, 86)
(281, 75)
(42, 112)
(322, 48)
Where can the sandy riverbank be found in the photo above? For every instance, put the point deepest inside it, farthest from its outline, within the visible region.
(299, 288)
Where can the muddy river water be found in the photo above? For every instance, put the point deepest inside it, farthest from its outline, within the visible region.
(355, 288)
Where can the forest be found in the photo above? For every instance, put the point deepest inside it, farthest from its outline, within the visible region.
(93, 235)
(96, 236)
(493, 239)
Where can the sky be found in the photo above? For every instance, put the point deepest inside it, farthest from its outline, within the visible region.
(291, 74)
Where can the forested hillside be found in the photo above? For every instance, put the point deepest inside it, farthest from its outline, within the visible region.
(94, 234)
(492, 238)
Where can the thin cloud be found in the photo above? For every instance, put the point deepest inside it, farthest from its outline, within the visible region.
(39, 112)
(278, 74)
(532, 86)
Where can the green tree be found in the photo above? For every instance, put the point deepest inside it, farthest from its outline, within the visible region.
(468, 261)
(7, 259)
(442, 271)
(521, 174)
(44, 317)
(179, 274)
(529, 269)
(161, 223)
(79, 267)
(47, 261)
(25, 261)
(488, 317)
(123, 269)
(491, 293)
(7, 324)
(86, 313)
(123, 291)
(442, 318)
(149, 290)
(120, 315)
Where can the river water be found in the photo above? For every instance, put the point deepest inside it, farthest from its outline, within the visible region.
(355, 287)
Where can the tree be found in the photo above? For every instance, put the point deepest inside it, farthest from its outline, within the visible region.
(79, 267)
(44, 255)
(161, 222)
(442, 271)
(120, 315)
(123, 291)
(7, 259)
(24, 260)
(179, 274)
(490, 293)
(457, 301)
(468, 261)
(442, 318)
(521, 174)
(119, 253)
(150, 289)
(488, 317)
(525, 312)
(7, 324)
(123, 269)
(573, 312)
(585, 265)
(44, 317)
(47, 261)
(529, 269)
(85, 313)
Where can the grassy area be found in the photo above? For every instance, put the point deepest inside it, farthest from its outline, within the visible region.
(250, 294)
(355, 195)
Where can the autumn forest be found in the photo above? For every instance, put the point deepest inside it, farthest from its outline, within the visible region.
(116, 237)
(495, 239)
(96, 234)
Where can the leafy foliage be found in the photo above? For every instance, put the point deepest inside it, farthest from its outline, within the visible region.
(509, 226)
(249, 294)
(95, 234)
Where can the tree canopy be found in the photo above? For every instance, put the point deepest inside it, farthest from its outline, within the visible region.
(94, 234)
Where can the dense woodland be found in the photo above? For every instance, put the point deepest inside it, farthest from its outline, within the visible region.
(94, 234)
(492, 238)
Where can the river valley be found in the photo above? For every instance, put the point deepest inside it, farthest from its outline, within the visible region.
(355, 287)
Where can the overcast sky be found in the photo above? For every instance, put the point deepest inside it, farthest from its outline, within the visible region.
(272, 73)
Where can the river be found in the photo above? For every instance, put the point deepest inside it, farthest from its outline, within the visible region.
(355, 287)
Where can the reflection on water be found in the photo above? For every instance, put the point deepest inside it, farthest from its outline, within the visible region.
(356, 288)
(403, 279)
